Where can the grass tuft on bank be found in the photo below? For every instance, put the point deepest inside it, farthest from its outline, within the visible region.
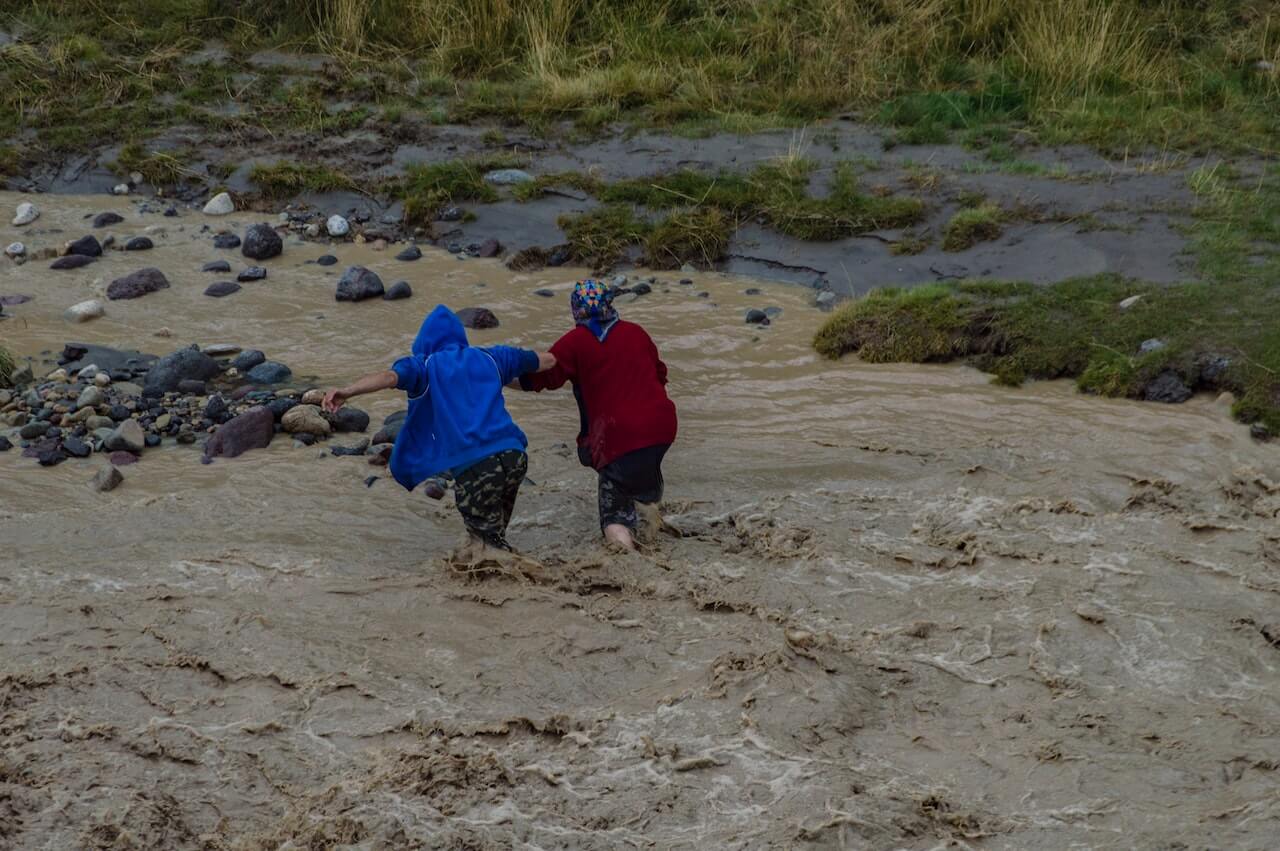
(1221, 333)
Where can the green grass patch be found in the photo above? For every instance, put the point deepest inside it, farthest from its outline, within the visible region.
(1221, 333)
(286, 179)
(603, 236)
(970, 226)
(159, 168)
(699, 236)
(7, 365)
(426, 189)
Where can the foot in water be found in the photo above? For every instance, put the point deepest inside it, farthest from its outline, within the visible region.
(618, 536)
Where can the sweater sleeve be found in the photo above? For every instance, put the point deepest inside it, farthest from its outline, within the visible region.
(512, 362)
(657, 360)
(556, 377)
(411, 375)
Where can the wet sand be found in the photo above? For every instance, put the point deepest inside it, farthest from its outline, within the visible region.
(909, 610)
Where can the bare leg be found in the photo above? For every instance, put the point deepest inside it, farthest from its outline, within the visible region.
(616, 533)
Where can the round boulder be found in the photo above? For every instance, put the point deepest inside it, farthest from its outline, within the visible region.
(358, 284)
(261, 242)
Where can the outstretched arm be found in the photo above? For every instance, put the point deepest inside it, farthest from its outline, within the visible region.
(371, 383)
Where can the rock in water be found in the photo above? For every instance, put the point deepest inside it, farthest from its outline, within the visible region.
(222, 289)
(120, 189)
(72, 261)
(326, 260)
(337, 226)
(413, 252)
(477, 317)
(251, 430)
(175, 367)
(220, 205)
(75, 447)
(139, 243)
(508, 177)
(84, 311)
(261, 242)
(216, 266)
(25, 214)
(1167, 387)
(269, 372)
(86, 245)
(226, 240)
(399, 290)
(390, 428)
(138, 284)
(756, 316)
(489, 248)
(247, 360)
(350, 419)
(251, 273)
(281, 406)
(103, 220)
(305, 419)
(127, 437)
(15, 249)
(357, 284)
(107, 479)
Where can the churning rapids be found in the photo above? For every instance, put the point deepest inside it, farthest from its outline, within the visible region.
(908, 610)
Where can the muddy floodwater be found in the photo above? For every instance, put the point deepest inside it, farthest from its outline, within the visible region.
(908, 610)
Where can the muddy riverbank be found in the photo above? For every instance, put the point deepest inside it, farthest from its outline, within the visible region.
(908, 610)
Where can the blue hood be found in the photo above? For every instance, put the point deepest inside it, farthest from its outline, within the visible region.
(456, 411)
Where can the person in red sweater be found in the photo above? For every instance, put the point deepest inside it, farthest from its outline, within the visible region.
(627, 422)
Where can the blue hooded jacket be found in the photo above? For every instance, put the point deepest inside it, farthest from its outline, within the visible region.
(456, 411)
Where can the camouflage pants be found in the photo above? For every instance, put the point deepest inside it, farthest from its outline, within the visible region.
(486, 492)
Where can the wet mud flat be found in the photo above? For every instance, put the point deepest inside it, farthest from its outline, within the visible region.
(905, 609)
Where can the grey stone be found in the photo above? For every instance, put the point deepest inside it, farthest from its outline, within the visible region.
(508, 177)
(350, 419)
(127, 437)
(398, 290)
(413, 252)
(107, 219)
(85, 245)
(222, 289)
(247, 360)
(1167, 387)
(139, 243)
(261, 242)
(84, 311)
(220, 205)
(253, 429)
(1152, 345)
(358, 284)
(251, 273)
(477, 317)
(170, 370)
(107, 479)
(90, 397)
(756, 316)
(326, 260)
(269, 372)
(226, 240)
(216, 266)
(72, 261)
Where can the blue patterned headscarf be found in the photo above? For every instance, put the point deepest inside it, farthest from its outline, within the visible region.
(592, 305)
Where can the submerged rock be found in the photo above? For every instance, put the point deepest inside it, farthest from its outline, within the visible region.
(326, 260)
(107, 479)
(413, 252)
(358, 284)
(477, 317)
(222, 289)
(350, 419)
(128, 437)
(107, 219)
(269, 372)
(251, 430)
(390, 428)
(226, 240)
(756, 316)
(72, 261)
(252, 273)
(139, 243)
(305, 419)
(398, 290)
(216, 266)
(84, 311)
(137, 284)
(25, 214)
(261, 242)
(247, 360)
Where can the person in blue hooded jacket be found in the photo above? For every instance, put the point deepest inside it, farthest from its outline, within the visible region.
(457, 421)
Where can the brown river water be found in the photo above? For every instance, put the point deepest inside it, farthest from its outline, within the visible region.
(908, 610)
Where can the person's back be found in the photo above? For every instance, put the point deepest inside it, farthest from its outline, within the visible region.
(627, 420)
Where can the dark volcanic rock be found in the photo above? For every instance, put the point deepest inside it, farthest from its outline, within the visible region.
(261, 242)
(138, 284)
(75, 447)
(477, 317)
(247, 360)
(350, 419)
(5, 444)
(1167, 387)
(71, 261)
(1260, 432)
(103, 220)
(32, 430)
(216, 410)
(251, 430)
(252, 273)
(280, 407)
(399, 290)
(413, 252)
(176, 367)
(327, 260)
(79, 355)
(390, 428)
(106, 479)
(545, 293)
(51, 457)
(358, 284)
(757, 317)
(216, 266)
(269, 372)
(122, 458)
(87, 246)
(139, 243)
(191, 387)
(226, 240)
(358, 449)
(222, 289)
(489, 248)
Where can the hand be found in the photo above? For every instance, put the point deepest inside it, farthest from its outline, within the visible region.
(333, 400)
